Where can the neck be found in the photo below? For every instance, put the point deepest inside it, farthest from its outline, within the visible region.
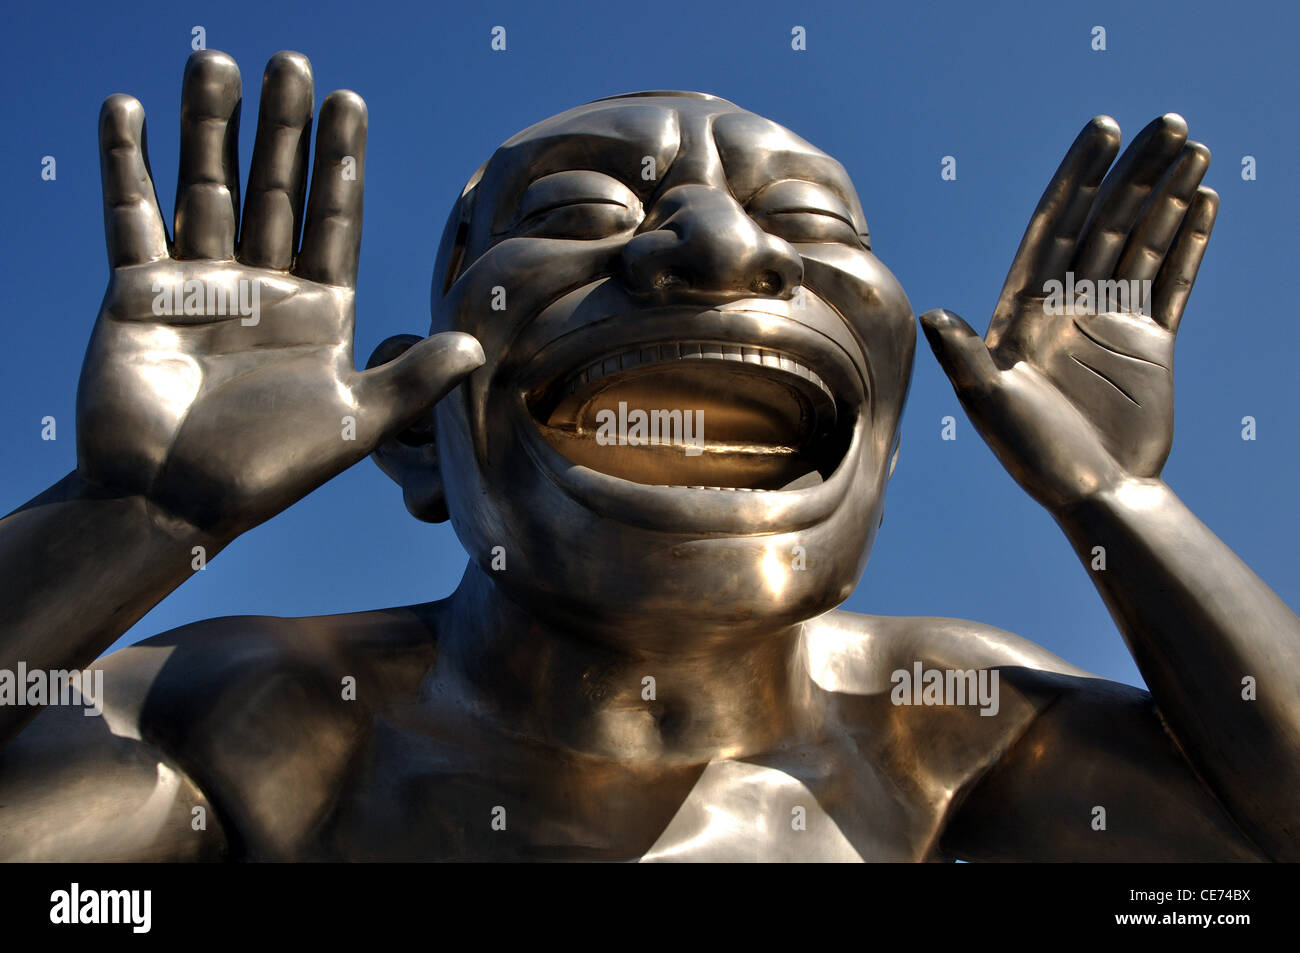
(539, 678)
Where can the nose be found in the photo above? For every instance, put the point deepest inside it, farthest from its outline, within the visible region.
(705, 248)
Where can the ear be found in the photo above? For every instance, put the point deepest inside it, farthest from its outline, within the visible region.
(411, 458)
(893, 462)
(455, 237)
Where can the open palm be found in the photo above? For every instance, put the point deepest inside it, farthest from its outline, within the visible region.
(1075, 392)
(219, 382)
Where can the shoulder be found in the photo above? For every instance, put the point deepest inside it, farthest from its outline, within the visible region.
(191, 673)
(851, 652)
(266, 714)
(940, 702)
(203, 663)
(869, 655)
(885, 656)
(848, 651)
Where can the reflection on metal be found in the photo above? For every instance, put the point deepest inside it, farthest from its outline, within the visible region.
(644, 659)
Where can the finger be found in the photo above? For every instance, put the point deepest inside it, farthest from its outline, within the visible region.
(1123, 194)
(331, 238)
(277, 178)
(400, 390)
(960, 351)
(133, 225)
(1162, 216)
(1174, 282)
(207, 184)
(1049, 241)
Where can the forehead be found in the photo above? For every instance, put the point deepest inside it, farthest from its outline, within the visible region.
(687, 138)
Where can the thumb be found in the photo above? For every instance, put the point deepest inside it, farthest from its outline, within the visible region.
(425, 369)
(960, 351)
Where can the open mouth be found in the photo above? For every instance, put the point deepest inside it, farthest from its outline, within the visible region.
(704, 415)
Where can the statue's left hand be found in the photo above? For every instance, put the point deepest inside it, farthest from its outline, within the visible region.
(1075, 395)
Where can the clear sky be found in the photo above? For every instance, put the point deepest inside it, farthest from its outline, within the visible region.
(889, 89)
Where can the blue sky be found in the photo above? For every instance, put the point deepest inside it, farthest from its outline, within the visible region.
(887, 89)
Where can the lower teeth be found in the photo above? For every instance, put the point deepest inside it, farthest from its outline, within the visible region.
(812, 478)
(730, 489)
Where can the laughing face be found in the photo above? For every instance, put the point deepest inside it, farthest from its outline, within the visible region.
(695, 370)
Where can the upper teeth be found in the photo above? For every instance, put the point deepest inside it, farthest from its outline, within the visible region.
(705, 350)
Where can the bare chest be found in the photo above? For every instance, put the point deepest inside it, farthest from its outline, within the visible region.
(412, 797)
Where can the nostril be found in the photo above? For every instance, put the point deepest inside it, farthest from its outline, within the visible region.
(767, 283)
(668, 281)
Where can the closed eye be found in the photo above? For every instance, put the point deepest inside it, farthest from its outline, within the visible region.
(803, 212)
(809, 211)
(576, 204)
(568, 203)
(808, 226)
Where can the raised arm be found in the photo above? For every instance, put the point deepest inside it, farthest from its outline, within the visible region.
(1074, 394)
(219, 385)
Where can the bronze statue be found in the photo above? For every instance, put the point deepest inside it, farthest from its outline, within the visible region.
(643, 660)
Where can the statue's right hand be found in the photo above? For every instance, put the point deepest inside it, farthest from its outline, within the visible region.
(219, 382)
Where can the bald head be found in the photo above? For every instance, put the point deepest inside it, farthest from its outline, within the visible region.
(673, 253)
(648, 143)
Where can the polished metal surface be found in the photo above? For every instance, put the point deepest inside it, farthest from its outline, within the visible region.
(644, 659)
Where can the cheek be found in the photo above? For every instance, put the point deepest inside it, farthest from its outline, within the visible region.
(857, 283)
(505, 289)
(514, 280)
(874, 305)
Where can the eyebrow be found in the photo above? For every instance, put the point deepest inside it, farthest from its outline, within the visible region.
(616, 150)
(777, 166)
(748, 169)
(774, 166)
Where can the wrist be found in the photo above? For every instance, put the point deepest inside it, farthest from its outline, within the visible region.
(1109, 500)
(152, 519)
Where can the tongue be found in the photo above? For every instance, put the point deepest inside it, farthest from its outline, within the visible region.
(811, 478)
(752, 466)
(696, 423)
(740, 404)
